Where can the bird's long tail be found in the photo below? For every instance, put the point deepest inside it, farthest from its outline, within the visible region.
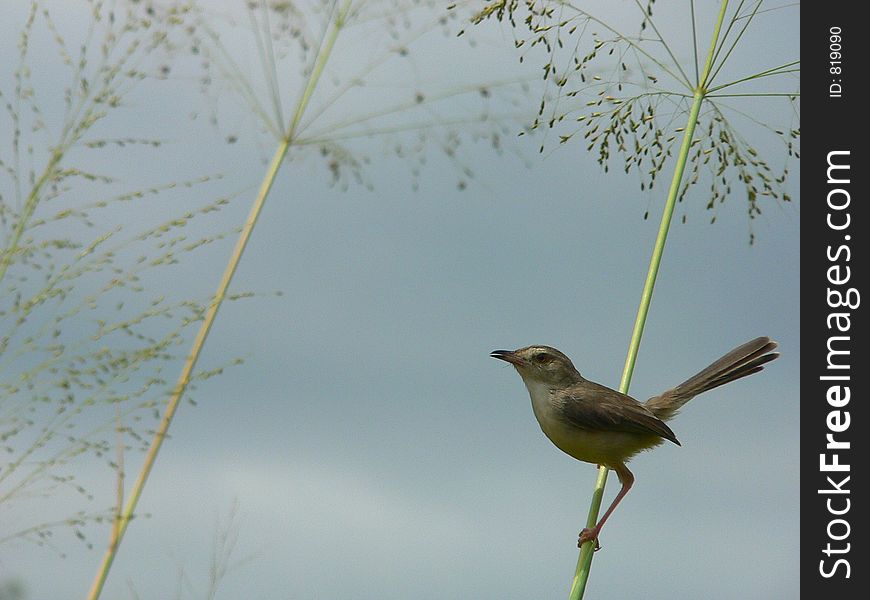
(740, 362)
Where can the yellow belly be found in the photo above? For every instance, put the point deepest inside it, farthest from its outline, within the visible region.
(609, 448)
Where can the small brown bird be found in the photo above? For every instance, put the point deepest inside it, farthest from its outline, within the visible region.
(598, 425)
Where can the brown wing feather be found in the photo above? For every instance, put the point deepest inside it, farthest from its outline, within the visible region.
(594, 407)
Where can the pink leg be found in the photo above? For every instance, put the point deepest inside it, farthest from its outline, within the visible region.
(627, 480)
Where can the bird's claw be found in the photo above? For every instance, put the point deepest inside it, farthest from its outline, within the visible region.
(586, 535)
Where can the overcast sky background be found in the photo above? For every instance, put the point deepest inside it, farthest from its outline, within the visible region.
(376, 451)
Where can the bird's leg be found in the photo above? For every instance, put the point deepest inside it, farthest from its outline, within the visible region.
(626, 479)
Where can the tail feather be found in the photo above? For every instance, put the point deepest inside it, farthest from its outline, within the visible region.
(742, 361)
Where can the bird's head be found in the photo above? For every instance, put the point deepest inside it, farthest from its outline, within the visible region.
(540, 364)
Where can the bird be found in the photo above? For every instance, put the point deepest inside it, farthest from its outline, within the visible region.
(602, 426)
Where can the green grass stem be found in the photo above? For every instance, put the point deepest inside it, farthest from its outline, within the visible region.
(584, 562)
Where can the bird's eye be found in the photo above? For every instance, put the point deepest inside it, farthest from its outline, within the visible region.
(541, 358)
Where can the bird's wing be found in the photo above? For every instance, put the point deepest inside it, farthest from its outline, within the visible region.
(595, 407)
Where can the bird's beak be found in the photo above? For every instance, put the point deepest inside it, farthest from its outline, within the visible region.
(507, 356)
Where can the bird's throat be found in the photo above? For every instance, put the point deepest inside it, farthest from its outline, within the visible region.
(542, 404)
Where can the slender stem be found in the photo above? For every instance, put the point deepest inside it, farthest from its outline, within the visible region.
(780, 70)
(231, 70)
(758, 95)
(184, 378)
(736, 40)
(714, 42)
(263, 37)
(652, 24)
(724, 36)
(123, 520)
(584, 562)
(23, 221)
(322, 57)
(695, 41)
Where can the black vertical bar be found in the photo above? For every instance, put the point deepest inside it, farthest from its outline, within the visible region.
(835, 223)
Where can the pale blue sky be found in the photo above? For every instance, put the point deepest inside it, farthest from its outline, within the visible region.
(374, 448)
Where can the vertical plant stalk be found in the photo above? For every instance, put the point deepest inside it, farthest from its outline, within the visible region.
(123, 519)
(584, 561)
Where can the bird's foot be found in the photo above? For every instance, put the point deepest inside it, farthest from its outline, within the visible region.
(589, 534)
